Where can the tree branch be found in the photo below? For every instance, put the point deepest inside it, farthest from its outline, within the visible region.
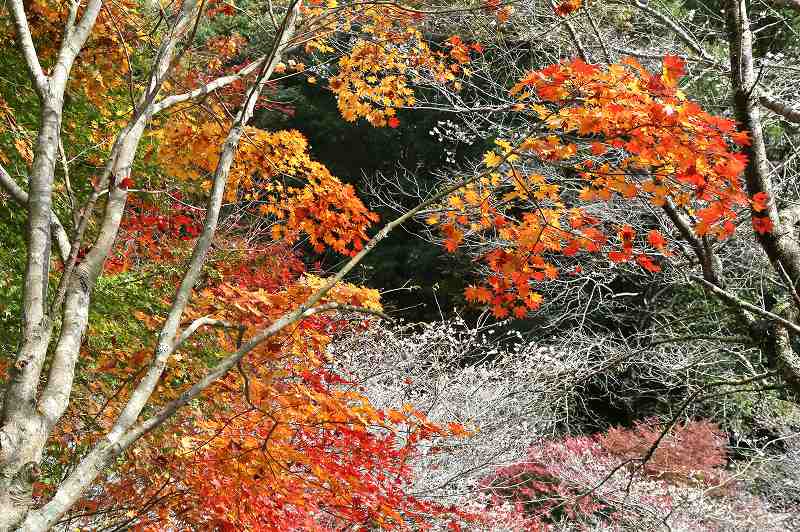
(780, 244)
(735, 301)
(576, 39)
(196, 324)
(781, 108)
(27, 48)
(21, 197)
(790, 215)
(226, 365)
(208, 88)
(59, 381)
(209, 321)
(708, 261)
(75, 37)
(680, 32)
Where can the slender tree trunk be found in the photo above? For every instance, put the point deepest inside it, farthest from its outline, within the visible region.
(780, 244)
(23, 431)
(55, 396)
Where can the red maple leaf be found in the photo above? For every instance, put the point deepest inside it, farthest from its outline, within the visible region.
(656, 239)
(762, 224)
(760, 201)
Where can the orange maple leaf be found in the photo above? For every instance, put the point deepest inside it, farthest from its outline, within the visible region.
(656, 239)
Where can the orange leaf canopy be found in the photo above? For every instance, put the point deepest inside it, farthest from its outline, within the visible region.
(626, 134)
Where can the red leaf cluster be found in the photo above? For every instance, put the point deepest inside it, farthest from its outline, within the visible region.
(693, 452)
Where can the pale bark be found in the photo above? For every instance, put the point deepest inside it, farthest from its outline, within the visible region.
(125, 433)
(77, 286)
(780, 244)
(21, 197)
(790, 113)
(23, 432)
(26, 422)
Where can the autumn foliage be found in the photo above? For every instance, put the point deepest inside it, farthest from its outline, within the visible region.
(555, 482)
(624, 134)
(692, 452)
(286, 419)
(287, 440)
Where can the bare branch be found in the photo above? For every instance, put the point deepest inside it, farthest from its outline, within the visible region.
(790, 113)
(708, 262)
(780, 244)
(197, 324)
(230, 362)
(27, 48)
(208, 88)
(675, 27)
(21, 197)
(735, 301)
(576, 39)
(75, 37)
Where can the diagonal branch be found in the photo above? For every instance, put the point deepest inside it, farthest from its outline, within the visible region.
(790, 113)
(576, 39)
(735, 301)
(226, 365)
(208, 88)
(74, 38)
(27, 48)
(682, 34)
(21, 197)
(212, 322)
(197, 324)
(709, 262)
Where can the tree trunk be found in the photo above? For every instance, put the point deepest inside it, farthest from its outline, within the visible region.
(779, 244)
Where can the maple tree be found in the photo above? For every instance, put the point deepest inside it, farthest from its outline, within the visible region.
(288, 417)
(609, 163)
(258, 397)
(82, 267)
(641, 139)
(273, 173)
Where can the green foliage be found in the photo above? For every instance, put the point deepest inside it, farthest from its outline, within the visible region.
(12, 267)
